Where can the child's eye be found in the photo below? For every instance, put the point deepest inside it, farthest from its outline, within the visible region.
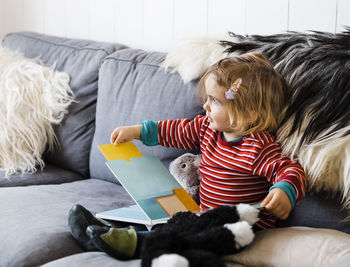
(215, 101)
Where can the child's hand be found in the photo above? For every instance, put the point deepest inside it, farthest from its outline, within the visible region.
(277, 203)
(125, 134)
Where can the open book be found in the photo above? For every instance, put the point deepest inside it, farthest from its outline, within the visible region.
(156, 192)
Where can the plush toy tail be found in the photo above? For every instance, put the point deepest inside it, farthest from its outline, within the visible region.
(191, 257)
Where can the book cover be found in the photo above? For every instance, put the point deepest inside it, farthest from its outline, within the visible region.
(156, 192)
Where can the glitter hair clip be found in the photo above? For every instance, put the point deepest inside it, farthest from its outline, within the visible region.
(230, 93)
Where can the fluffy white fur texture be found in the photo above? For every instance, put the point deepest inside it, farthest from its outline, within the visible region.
(243, 233)
(248, 213)
(170, 260)
(33, 97)
(323, 160)
(193, 57)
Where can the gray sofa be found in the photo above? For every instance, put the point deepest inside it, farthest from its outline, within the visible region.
(114, 85)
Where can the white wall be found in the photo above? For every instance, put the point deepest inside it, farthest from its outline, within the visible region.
(162, 24)
(2, 19)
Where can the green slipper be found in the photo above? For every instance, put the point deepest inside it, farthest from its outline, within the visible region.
(79, 219)
(119, 243)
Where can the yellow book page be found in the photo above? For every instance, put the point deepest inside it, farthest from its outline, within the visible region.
(171, 204)
(125, 151)
(186, 199)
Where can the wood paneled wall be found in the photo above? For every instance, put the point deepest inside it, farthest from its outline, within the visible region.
(162, 24)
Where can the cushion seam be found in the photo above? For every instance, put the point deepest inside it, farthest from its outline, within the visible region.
(131, 61)
(56, 44)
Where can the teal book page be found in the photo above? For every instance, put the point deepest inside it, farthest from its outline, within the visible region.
(145, 179)
(132, 213)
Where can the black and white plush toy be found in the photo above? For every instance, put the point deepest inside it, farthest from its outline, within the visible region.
(189, 239)
(185, 170)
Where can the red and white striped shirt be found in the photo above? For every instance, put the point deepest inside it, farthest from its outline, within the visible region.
(234, 172)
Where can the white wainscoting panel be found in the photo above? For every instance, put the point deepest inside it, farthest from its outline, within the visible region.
(190, 19)
(129, 26)
(54, 17)
(14, 15)
(101, 20)
(312, 15)
(343, 15)
(267, 17)
(77, 18)
(2, 19)
(158, 25)
(162, 24)
(33, 15)
(225, 16)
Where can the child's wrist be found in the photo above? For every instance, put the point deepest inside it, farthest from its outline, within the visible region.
(137, 129)
(288, 189)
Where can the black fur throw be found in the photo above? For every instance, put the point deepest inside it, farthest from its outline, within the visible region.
(315, 127)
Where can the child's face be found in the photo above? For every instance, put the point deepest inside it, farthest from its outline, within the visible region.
(216, 107)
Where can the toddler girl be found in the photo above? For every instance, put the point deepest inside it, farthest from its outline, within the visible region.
(241, 162)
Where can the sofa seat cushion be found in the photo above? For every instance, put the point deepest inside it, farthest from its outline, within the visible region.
(81, 60)
(294, 246)
(51, 174)
(320, 210)
(92, 259)
(133, 88)
(33, 221)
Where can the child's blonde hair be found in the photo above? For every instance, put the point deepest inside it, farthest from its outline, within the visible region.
(258, 103)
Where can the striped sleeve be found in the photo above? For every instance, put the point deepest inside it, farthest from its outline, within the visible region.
(276, 167)
(182, 133)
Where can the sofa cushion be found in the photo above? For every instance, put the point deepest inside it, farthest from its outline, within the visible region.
(51, 174)
(321, 210)
(133, 88)
(344, 262)
(294, 246)
(33, 221)
(92, 259)
(81, 59)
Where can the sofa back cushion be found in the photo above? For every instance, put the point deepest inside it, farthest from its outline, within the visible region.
(133, 88)
(81, 59)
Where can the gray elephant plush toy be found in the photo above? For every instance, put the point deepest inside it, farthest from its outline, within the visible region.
(185, 170)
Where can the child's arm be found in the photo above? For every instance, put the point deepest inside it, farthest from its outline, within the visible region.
(181, 133)
(125, 134)
(286, 176)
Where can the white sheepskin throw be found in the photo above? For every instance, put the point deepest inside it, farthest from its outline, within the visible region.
(316, 126)
(32, 98)
(193, 57)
